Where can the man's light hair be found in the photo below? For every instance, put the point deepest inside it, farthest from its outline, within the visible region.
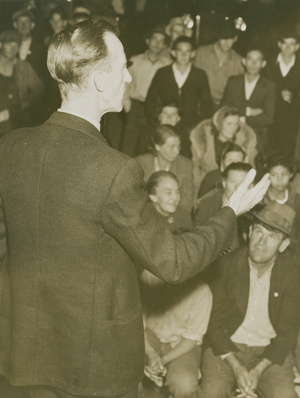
(77, 50)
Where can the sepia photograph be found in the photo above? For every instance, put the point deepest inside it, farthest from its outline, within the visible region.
(150, 198)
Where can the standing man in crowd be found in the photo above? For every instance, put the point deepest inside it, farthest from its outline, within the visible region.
(31, 49)
(254, 97)
(77, 220)
(285, 72)
(255, 316)
(219, 61)
(136, 138)
(184, 84)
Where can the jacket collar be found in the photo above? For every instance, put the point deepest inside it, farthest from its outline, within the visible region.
(75, 123)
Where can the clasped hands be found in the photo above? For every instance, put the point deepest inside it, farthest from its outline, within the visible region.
(155, 369)
(247, 381)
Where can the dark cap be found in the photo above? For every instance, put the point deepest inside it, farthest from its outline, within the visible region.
(278, 216)
(23, 13)
(9, 36)
(226, 30)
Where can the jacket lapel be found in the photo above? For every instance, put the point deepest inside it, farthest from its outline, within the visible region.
(241, 283)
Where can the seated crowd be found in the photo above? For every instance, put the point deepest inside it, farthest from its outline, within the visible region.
(197, 120)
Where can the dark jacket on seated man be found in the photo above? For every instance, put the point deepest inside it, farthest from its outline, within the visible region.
(231, 295)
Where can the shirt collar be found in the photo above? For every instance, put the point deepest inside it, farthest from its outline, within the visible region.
(290, 64)
(88, 119)
(175, 69)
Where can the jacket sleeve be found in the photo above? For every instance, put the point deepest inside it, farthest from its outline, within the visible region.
(153, 99)
(131, 219)
(36, 87)
(219, 338)
(287, 326)
(266, 118)
(205, 97)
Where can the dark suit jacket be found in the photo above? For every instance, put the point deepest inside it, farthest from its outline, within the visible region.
(263, 97)
(77, 221)
(230, 289)
(194, 97)
(286, 115)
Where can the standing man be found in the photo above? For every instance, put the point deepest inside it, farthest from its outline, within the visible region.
(77, 221)
(285, 72)
(219, 61)
(136, 138)
(254, 321)
(184, 84)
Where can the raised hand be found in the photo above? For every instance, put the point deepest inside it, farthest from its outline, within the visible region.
(243, 199)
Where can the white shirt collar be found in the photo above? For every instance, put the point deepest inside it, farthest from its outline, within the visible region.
(179, 77)
(285, 199)
(90, 120)
(285, 68)
(249, 87)
(24, 49)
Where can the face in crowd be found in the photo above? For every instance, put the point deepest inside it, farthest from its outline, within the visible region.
(176, 31)
(280, 177)
(10, 49)
(288, 46)
(169, 150)
(24, 25)
(169, 115)
(229, 127)
(233, 181)
(225, 45)
(183, 54)
(156, 43)
(167, 196)
(254, 62)
(232, 157)
(265, 244)
(57, 23)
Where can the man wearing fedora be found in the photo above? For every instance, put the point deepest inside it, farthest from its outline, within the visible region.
(255, 315)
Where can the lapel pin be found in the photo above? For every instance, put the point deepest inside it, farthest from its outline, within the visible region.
(276, 294)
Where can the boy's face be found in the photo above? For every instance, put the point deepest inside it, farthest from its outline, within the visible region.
(169, 115)
(233, 181)
(10, 49)
(169, 150)
(183, 54)
(232, 157)
(288, 46)
(280, 177)
(156, 43)
(254, 62)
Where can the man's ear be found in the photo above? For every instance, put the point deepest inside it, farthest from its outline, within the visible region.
(264, 63)
(153, 198)
(147, 42)
(193, 53)
(32, 25)
(173, 53)
(223, 183)
(235, 39)
(157, 147)
(100, 81)
(279, 44)
(297, 46)
(244, 61)
(283, 245)
(16, 25)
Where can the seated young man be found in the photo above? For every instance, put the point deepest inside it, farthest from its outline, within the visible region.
(254, 96)
(284, 70)
(232, 153)
(184, 84)
(213, 201)
(255, 316)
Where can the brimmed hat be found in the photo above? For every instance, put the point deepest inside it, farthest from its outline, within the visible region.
(278, 216)
(9, 36)
(23, 13)
(226, 30)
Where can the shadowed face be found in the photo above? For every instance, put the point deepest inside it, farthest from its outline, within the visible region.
(230, 127)
(233, 181)
(288, 46)
(280, 177)
(183, 54)
(156, 43)
(169, 115)
(232, 157)
(169, 150)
